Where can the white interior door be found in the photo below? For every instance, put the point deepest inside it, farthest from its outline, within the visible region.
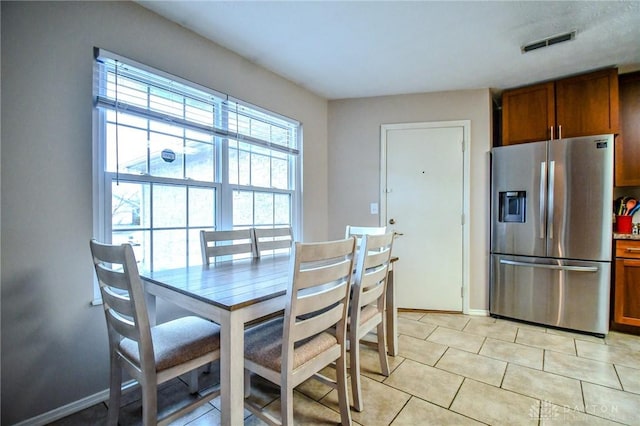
(423, 198)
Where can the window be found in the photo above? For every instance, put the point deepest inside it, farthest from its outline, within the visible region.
(172, 158)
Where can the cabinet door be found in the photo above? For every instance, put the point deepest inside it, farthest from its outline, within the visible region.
(588, 104)
(627, 292)
(528, 114)
(628, 142)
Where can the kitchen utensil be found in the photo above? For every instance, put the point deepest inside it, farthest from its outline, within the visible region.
(629, 205)
(634, 209)
(616, 205)
(620, 206)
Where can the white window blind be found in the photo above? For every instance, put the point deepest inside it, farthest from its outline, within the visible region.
(171, 101)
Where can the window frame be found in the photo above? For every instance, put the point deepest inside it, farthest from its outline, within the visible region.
(102, 179)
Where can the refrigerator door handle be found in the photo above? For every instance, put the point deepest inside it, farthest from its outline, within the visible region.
(543, 197)
(557, 267)
(552, 179)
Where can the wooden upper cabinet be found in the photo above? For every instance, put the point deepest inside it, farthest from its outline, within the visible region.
(576, 106)
(528, 114)
(588, 104)
(628, 142)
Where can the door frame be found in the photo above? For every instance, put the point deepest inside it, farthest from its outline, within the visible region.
(466, 197)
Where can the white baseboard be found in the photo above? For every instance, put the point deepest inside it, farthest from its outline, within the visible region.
(66, 410)
(74, 407)
(479, 312)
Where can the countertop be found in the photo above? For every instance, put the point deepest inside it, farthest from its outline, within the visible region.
(618, 236)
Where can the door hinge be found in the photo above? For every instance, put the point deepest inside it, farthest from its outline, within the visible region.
(461, 292)
(462, 142)
(462, 219)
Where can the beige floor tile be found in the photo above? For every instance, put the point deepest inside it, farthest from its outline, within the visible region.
(477, 367)
(420, 350)
(381, 403)
(212, 417)
(410, 315)
(619, 355)
(312, 388)
(523, 325)
(544, 386)
(306, 411)
(588, 370)
(619, 406)
(577, 336)
(546, 341)
(419, 412)
(456, 339)
(482, 319)
(426, 382)
(454, 321)
(370, 362)
(628, 341)
(526, 356)
(500, 331)
(413, 328)
(555, 415)
(495, 406)
(630, 378)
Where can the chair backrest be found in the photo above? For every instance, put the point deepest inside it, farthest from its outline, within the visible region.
(215, 244)
(372, 267)
(359, 231)
(272, 240)
(123, 298)
(318, 293)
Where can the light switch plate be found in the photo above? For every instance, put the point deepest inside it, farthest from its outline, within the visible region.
(373, 207)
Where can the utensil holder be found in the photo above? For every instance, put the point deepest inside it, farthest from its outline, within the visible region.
(623, 224)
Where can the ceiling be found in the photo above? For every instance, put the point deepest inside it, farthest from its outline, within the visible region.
(352, 49)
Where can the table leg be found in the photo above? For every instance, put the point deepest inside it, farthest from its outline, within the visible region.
(232, 368)
(392, 316)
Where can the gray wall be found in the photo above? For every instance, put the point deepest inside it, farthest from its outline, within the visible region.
(354, 164)
(54, 344)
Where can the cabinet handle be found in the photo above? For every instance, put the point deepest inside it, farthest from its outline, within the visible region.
(551, 131)
(559, 131)
(633, 250)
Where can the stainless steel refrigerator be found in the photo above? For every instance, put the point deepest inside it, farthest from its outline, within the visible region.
(551, 232)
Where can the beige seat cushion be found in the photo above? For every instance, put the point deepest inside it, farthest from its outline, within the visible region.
(367, 313)
(263, 345)
(178, 341)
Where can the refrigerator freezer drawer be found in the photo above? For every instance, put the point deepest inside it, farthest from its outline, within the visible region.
(560, 293)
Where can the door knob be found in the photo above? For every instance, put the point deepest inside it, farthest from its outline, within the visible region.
(392, 221)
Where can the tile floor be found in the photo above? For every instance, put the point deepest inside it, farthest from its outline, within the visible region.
(456, 369)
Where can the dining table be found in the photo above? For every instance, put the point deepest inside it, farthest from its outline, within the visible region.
(234, 294)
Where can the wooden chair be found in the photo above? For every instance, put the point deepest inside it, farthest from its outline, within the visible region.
(289, 350)
(216, 244)
(151, 355)
(359, 231)
(367, 310)
(272, 239)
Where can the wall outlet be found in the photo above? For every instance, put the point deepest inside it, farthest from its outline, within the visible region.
(373, 207)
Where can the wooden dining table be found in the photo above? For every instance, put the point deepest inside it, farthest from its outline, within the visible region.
(232, 294)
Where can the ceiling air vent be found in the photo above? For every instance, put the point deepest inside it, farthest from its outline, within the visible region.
(549, 41)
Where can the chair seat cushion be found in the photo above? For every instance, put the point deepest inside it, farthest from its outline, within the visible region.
(178, 341)
(263, 345)
(367, 313)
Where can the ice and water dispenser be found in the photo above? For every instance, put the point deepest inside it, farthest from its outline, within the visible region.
(512, 206)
